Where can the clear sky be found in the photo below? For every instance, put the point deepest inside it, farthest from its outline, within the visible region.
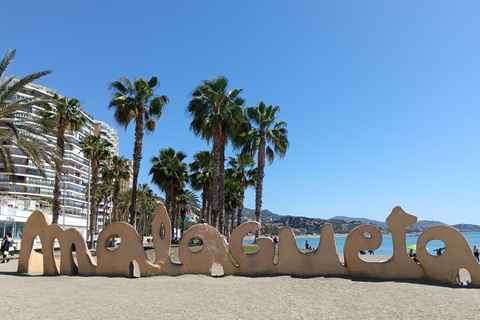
(381, 97)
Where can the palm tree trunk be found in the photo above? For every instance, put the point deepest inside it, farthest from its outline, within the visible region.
(221, 168)
(56, 194)
(204, 204)
(232, 227)
(239, 214)
(58, 176)
(259, 188)
(182, 216)
(137, 157)
(116, 191)
(216, 179)
(93, 203)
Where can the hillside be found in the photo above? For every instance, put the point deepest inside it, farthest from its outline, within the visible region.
(273, 222)
(266, 214)
(419, 226)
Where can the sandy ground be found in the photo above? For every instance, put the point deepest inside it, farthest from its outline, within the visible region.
(232, 297)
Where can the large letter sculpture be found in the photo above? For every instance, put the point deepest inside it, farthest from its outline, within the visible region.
(291, 261)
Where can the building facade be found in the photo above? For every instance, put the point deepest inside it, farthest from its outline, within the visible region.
(30, 191)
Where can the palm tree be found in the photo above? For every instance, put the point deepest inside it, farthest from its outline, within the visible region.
(96, 150)
(170, 174)
(234, 196)
(104, 191)
(29, 132)
(137, 103)
(240, 173)
(216, 114)
(116, 171)
(146, 205)
(201, 179)
(68, 116)
(187, 201)
(265, 134)
(124, 204)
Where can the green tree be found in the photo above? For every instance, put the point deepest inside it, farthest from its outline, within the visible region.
(96, 150)
(104, 192)
(187, 201)
(19, 126)
(170, 174)
(68, 116)
(146, 205)
(234, 196)
(117, 170)
(242, 172)
(124, 204)
(137, 102)
(201, 176)
(217, 114)
(267, 137)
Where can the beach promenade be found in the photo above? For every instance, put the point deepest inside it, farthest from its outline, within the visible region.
(232, 297)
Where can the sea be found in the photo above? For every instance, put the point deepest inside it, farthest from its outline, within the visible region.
(386, 248)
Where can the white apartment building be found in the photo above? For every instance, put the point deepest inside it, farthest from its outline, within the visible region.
(107, 132)
(31, 191)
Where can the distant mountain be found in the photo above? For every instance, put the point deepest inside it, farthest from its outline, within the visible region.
(342, 223)
(266, 214)
(467, 227)
(420, 225)
(364, 220)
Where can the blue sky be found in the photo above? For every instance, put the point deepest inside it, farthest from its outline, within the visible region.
(381, 97)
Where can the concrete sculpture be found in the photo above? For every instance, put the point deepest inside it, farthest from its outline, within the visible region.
(323, 261)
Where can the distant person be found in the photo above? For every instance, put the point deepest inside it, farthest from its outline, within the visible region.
(6, 243)
(413, 255)
(476, 252)
(307, 245)
(362, 252)
(439, 251)
(370, 252)
(275, 240)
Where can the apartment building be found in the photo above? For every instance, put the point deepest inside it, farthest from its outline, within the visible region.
(31, 191)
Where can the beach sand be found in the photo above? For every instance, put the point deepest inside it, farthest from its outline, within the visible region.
(232, 297)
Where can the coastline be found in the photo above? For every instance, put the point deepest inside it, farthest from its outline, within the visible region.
(309, 236)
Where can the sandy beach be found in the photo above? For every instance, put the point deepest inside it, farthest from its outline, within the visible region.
(232, 297)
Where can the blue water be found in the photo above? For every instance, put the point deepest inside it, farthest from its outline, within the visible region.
(387, 246)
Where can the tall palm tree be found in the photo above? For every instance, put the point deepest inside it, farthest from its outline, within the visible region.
(68, 116)
(96, 150)
(216, 114)
(104, 191)
(242, 172)
(146, 205)
(30, 133)
(124, 204)
(116, 171)
(234, 196)
(137, 102)
(201, 177)
(187, 201)
(170, 174)
(268, 137)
